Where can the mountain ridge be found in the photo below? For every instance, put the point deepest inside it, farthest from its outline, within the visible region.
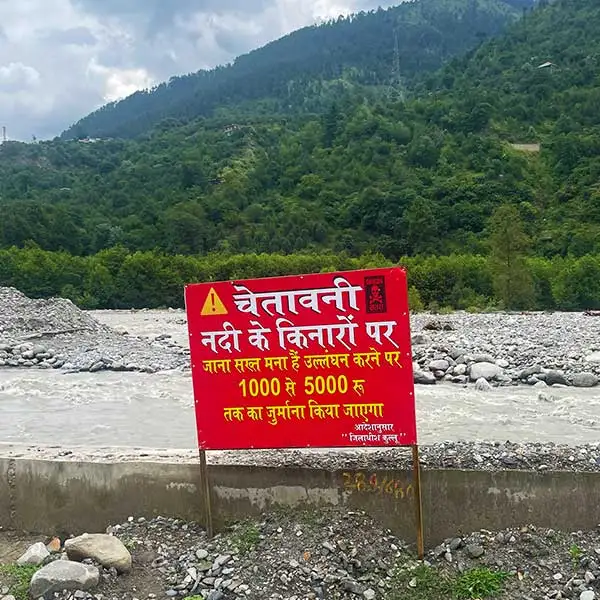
(410, 34)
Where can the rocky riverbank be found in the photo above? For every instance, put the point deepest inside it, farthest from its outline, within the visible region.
(542, 349)
(484, 350)
(299, 555)
(55, 334)
(483, 456)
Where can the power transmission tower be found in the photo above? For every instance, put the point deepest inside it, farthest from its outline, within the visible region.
(395, 89)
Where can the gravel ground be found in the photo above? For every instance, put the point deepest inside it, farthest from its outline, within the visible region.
(343, 555)
(486, 456)
(56, 334)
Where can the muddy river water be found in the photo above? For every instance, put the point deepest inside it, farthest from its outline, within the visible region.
(156, 411)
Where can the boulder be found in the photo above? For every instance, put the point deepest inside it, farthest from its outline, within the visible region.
(106, 549)
(556, 378)
(439, 365)
(585, 380)
(485, 370)
(35, 555)
(63, 575)
(424, 378)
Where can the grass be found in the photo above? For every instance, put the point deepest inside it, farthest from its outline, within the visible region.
(19, 578)
(245, 536)
(428, 583)
(576, 553)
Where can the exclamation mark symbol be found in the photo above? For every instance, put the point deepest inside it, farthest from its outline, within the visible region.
(213, 305)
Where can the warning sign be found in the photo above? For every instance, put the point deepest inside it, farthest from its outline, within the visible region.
(213, 305)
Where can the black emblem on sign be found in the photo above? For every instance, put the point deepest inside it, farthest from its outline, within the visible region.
(375, 293)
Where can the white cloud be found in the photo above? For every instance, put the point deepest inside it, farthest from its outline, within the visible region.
(61, 59)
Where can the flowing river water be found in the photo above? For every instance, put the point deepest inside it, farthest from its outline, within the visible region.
(48, 407)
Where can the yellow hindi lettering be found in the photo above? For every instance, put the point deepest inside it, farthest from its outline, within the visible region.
(362, 411)
(285, 412)
(247, 364)
(254, 413)
(236, 413)
(367, 359)
(393, 358)
(323, 411)
(217, 366)
(276, 362)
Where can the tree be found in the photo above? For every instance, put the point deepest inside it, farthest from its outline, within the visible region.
(513, 284)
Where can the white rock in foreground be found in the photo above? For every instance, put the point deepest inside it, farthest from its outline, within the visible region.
(35, 555)
(108, 550)
(63, 575)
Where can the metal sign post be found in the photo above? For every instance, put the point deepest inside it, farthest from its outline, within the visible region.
(418, 502)
(205, 483)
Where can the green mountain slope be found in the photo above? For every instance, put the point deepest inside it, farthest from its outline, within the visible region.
(400, 178)
(304, 70)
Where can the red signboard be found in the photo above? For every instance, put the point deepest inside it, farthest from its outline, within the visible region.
(318, 360)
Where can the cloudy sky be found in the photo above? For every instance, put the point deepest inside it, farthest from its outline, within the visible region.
(61, 59)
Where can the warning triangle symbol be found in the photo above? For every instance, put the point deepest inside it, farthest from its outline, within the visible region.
(213, 305)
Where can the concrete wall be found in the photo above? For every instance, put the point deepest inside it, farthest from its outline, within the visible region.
(69, 498)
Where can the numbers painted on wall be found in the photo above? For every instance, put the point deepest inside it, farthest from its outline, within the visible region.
(372, 483)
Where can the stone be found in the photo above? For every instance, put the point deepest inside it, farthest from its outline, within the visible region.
(369, 594)
(585, 380)
(439, 365)
(529, 371)
(62, 575)
(587, 595)
(485, 370)
(423, 378)
(482, 385)
(502, 363)
(554, 377)
(419, 340)
(594, 357)
(475, 550)
(460, 369)
(35, 555)
(201, 554)
(106, 549)
(53, 546)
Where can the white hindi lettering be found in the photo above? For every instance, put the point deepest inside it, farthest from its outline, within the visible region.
(248, 301)
(300, 336)
(257, 337)
(374, 331)
(209, 338)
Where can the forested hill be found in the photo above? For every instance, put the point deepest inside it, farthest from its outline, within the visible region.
(400, 178)
(303, 71)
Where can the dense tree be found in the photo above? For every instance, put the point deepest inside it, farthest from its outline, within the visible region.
(509, 246)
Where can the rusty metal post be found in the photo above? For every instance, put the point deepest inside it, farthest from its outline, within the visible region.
(418, 502)
(205, 483)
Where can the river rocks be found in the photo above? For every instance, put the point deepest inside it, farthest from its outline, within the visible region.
(63, 575)
(35, 555)
(584, 380)
(55, 334)
(108, 550)
(526, 348)
(484, 370)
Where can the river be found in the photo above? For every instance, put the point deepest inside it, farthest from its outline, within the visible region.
(156, 411)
